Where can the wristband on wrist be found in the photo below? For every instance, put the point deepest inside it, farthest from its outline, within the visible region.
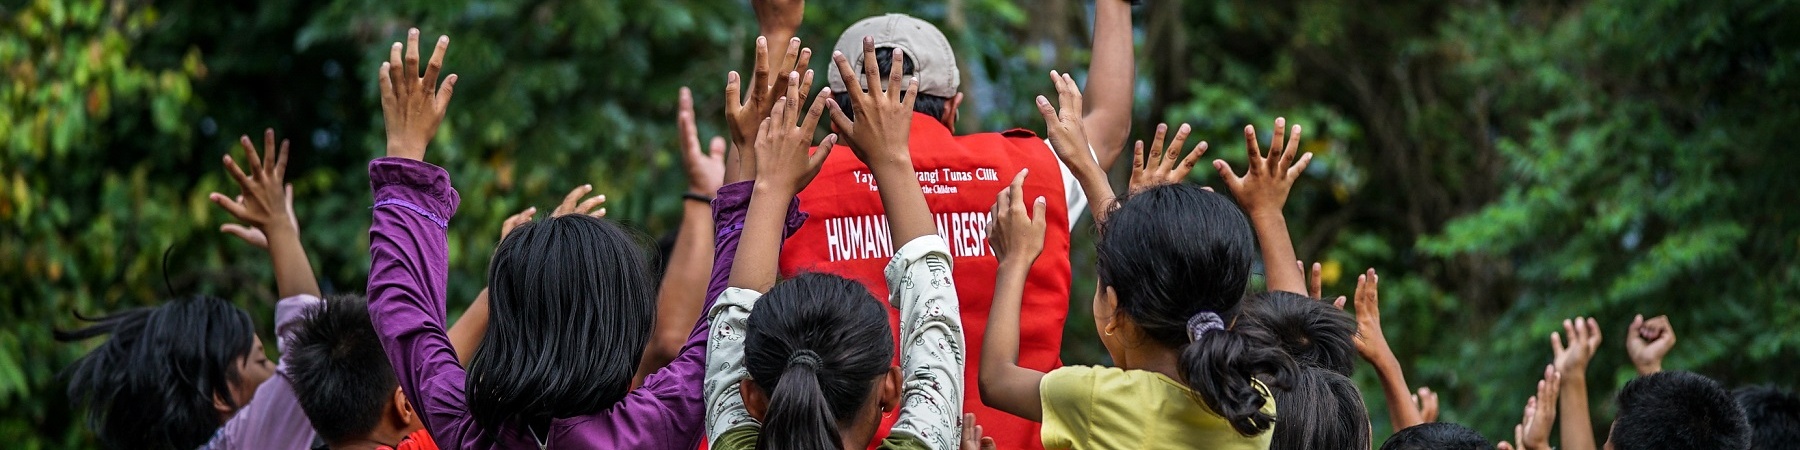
(698, 197)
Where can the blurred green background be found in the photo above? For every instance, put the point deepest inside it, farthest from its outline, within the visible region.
(1504, 164)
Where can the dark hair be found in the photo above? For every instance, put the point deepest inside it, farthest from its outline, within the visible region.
(152, 383)
(1173, 251)
(927, 104)
(1311, 331)
(339, 373)
(1678, 410)
(1320, 409)
(1774, 416)
(1436, 436)
(571, 302)
(816, 344)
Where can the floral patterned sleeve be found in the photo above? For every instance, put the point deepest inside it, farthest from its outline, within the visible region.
(931, 342)
(725, 409)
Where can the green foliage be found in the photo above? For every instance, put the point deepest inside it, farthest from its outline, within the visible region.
(1504, 164)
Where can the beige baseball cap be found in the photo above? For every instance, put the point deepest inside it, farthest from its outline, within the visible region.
(934, 63)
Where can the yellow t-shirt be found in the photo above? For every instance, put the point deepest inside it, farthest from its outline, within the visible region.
(1108, 408)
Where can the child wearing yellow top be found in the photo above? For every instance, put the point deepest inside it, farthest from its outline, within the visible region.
(1174, 261)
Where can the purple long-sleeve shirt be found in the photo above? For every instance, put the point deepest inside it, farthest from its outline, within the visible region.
(273, 418)
(409, 262)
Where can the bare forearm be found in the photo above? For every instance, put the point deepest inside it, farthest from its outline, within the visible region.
(1111, 74)
(759, 249)
(1098, 188)
(908, 215)
(1004, 385)
(1577, 425)
(683, 285)
(1278, 253)
(1401, 410)
(293, 271)
(466, 334)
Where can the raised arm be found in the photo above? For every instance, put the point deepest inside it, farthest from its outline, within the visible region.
(1262, 192)
(1373, 346)
(265, 205)
(1112, 72)
(1533, 430)
(779, 21)
(1571, 363)
(1017, 237)
(783, 167)
(683, 290)
(1648, 341)
(408, 248)
(1068, 135)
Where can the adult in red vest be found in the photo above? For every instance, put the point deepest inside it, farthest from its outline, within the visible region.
(846, 233)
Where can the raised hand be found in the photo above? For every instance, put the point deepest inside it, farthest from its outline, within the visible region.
(1016, 234)
(973, 438)
(705, 170)
(779, 15)
(1369, 340)
(265, 203)
(1163, 167)
(1427, 402)
(411, 107)
(883, 113)
(1584, 340)
(1067, 129)
(1315, 284)
(1266, 182)
(745, 113)
(572, 203)
(782, 162)
(1533, 431)
(1648, 341)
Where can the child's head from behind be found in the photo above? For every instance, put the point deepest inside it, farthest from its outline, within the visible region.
(1774, 415)
(1675, 410)
(1436, 436)
(1313, 332)
(571, 303)
(167, 376)
(343, 380)
(820, 355)
(1320, 409)
(1174, 261)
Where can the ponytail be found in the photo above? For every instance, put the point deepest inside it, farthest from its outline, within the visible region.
(1221, 365)
(799, 417)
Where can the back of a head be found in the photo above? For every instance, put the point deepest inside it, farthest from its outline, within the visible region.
(926, 52)
(817, 344)
(1436, 436)
(1313, 332)
(1320, 409)
(1774, 416)
(1172, 253)
(1676, 410)
(571, 303)
(339, 373)
(152, 383)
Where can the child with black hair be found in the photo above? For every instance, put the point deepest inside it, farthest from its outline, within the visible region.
(809, 364)
(1436, 436)
(1774, 416)
(1174, 262)
(191, 373)
(344, 382)
(1321, 407)
(571, 304)
(1677, 410)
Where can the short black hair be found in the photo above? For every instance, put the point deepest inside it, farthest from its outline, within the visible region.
(1313, 332)
(571, 304)
(1676, 410)
(927, 104)
(152, 383)
(338, 370)
(1320, 409)
(1774, 416)
(1436, 436)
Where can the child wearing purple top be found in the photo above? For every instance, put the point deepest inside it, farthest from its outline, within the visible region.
(570, 299)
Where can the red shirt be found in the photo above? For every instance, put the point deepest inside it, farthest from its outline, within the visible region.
(847, 234)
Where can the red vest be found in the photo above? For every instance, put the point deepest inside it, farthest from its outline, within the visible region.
(847, 235)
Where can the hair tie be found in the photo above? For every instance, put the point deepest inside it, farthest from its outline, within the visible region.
(804, 358)
(1202, 323)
